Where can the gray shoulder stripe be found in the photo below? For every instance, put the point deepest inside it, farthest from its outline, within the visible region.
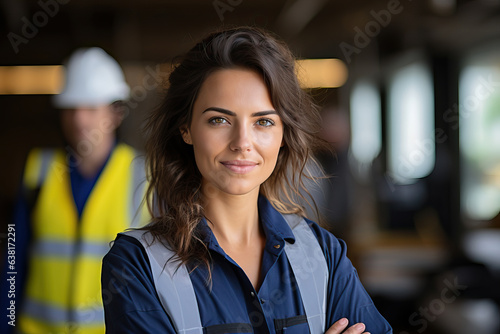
(173, 285)
(138, 189)
(310, 270)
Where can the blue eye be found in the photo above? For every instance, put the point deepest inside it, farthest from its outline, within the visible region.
(265, 122)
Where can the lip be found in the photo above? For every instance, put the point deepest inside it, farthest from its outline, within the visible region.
(239, 166)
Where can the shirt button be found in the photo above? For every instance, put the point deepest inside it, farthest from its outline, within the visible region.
(277, 246)
(252, 294)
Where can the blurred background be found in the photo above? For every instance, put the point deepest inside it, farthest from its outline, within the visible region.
(409, 92)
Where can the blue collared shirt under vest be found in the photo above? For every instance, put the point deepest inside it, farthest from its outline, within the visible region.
(231, 304)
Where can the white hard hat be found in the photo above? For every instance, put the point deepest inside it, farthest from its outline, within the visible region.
(92, 78)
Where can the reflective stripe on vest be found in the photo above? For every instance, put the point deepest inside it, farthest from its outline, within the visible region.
(173, 285)
(63, 290)
(310, 270)
(176, 292)
(137, 209)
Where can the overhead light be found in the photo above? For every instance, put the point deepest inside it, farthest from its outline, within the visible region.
(366, 121)
(321, 73)
(411, 132)
(31, 79)
(49, 79)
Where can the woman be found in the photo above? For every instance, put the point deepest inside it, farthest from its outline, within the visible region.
(228, 250)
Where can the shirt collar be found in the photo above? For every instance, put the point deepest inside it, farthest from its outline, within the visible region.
(275, 226)
(273, 222)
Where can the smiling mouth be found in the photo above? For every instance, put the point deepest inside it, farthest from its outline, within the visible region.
(239, 166)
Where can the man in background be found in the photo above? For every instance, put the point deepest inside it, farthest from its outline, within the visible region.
(73, 203)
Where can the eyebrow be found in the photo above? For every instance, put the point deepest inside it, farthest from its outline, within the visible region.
(232, 113)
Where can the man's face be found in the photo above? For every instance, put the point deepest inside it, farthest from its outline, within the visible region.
(84, 125)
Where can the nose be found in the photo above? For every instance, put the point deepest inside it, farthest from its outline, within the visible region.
(241, 139)
(76, 115)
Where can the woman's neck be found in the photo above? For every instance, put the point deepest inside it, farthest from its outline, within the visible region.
(234, 219)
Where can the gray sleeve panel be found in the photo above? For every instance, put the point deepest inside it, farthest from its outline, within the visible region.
(173, 284)
(311, 272)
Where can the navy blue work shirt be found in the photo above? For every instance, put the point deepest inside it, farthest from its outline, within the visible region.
(231, 304)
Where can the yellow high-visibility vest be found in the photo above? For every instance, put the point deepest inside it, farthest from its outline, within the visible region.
(63, 286)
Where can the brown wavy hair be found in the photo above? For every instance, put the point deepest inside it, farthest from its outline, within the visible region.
(174, 187)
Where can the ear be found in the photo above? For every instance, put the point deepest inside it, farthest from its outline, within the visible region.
(186, 134)
(114, 117)
(118, 118)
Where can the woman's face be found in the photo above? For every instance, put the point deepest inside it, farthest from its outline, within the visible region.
(235, 131)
